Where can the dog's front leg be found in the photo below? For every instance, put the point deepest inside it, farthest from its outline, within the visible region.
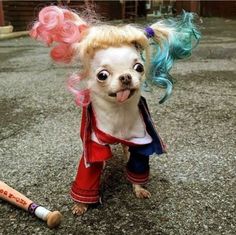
(79, 208)
(140, 192)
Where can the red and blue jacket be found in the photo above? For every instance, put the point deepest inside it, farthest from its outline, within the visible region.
(94, 152)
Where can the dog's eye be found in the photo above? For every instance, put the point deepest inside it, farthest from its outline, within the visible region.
(103, 75)
(138, 67)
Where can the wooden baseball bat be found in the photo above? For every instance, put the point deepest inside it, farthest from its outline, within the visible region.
(14, 197)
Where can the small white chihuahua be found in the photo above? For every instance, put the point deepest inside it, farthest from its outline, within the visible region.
(113, 109)
(115, 89)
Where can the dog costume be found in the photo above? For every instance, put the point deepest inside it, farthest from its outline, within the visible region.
(85, 188)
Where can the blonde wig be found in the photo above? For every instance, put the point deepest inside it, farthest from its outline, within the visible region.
(160, 44)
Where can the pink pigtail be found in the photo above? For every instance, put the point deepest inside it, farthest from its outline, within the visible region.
(62, 53)
(68, 32)
(59, 25)
(38, 32)
(69, 15)
(82, 96)
(51, 17)
(33, 32)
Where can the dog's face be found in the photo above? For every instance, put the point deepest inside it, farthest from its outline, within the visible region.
(116, 74)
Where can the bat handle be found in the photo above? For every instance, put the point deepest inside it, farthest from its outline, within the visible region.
(53, 219)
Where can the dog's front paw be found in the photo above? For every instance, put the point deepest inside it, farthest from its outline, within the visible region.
(79, 208)
(140, 192)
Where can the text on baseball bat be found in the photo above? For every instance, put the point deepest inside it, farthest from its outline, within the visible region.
(12, 197)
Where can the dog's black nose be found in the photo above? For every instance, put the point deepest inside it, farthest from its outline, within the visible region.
(125, 79)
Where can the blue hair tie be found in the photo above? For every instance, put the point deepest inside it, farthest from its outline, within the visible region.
(149, 32)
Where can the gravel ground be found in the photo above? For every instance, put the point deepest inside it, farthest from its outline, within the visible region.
(193, 185)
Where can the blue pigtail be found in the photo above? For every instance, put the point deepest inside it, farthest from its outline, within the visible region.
(171, 39)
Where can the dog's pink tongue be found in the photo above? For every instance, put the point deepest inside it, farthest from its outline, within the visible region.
(121, 96)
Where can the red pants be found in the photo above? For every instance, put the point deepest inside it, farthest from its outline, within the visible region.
(86, 185)
(85, 188)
